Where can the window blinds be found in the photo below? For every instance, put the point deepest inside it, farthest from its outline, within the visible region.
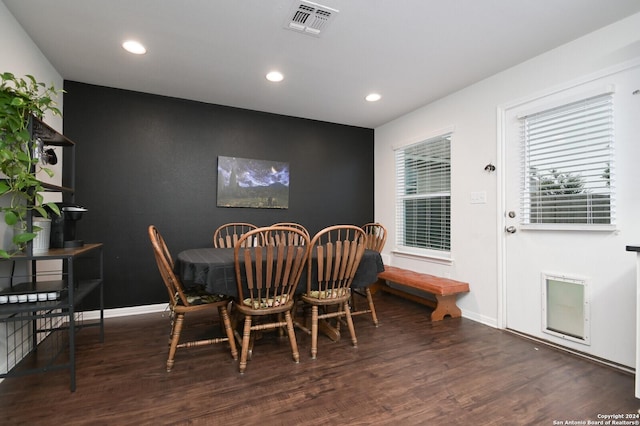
(423, 194)
(567, 163)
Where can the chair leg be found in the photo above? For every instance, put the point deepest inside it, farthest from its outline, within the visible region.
(352, 330)
(292, 337)
(356, 310)
(338, 317)
(173, 326)
(246, 333)
(226, 321)
(252, 342)
(280, 329)
(314, 331)
(372, 308)
(353, 302)
(175, 337)
(235, 315)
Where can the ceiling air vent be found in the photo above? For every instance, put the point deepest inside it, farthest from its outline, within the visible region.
(309, 18)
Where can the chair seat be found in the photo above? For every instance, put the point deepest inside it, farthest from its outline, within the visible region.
(266, 303)
(328, 294)
(198, 296)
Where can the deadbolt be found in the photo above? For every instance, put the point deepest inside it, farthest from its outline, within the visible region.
(512, 214)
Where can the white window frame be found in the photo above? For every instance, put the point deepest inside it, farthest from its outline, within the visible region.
(440, 185)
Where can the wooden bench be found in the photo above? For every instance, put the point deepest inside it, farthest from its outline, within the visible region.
(445, 290)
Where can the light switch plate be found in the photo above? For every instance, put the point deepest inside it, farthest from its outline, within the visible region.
(479, 197)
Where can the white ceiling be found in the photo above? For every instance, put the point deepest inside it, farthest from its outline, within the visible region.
(412, 52)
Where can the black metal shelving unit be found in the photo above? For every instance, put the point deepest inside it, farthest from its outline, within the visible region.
(63, 296)
(49, 301)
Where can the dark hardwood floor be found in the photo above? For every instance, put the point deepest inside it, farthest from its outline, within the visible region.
(408, 371)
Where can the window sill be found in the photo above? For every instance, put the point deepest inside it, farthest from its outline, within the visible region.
(433, 258)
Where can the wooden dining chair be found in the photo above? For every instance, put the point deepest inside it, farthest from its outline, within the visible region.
(185, 300)
(227, 235)
(293, 225)
(267, 278)
(375, 238)
(336, 252)
(292, 236)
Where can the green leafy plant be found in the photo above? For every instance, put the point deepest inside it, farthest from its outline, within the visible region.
(556, 183)
(20, 99)
(559, 183)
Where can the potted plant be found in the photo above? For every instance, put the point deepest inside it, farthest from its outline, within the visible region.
(20, 100)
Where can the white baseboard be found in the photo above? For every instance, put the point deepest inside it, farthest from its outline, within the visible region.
(482, 319)
(123, 312)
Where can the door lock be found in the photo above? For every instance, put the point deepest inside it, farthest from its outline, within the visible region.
(510, 229)
(512, 214)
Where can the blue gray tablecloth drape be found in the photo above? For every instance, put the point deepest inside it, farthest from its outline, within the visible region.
(214, 267)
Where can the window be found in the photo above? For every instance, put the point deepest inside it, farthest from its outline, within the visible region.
(567, 164)
(423, 195)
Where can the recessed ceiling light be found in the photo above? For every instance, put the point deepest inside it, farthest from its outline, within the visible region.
(275, 76)
(373, 97)
(134, 47)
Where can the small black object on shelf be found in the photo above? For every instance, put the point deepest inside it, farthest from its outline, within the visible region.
(63, 227)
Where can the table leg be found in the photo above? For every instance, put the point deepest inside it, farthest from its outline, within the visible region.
(328, 330)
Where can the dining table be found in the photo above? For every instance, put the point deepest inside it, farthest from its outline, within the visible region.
(215, 269)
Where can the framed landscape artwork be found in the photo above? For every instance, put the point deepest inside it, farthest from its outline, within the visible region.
(246, 182)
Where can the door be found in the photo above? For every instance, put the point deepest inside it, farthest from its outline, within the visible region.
(567, 283)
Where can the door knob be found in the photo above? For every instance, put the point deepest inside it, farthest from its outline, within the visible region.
(510, 229)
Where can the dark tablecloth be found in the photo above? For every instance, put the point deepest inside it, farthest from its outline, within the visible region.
(214, 268)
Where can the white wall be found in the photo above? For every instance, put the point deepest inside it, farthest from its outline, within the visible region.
(472, 112)
(20, 56)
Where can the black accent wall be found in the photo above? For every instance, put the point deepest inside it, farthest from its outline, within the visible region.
(144, 159)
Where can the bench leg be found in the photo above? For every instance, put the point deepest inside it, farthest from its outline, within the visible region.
(446, 306)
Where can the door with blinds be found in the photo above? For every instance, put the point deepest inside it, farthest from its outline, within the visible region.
(560, 218)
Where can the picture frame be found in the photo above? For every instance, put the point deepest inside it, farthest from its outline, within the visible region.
(252, 183)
